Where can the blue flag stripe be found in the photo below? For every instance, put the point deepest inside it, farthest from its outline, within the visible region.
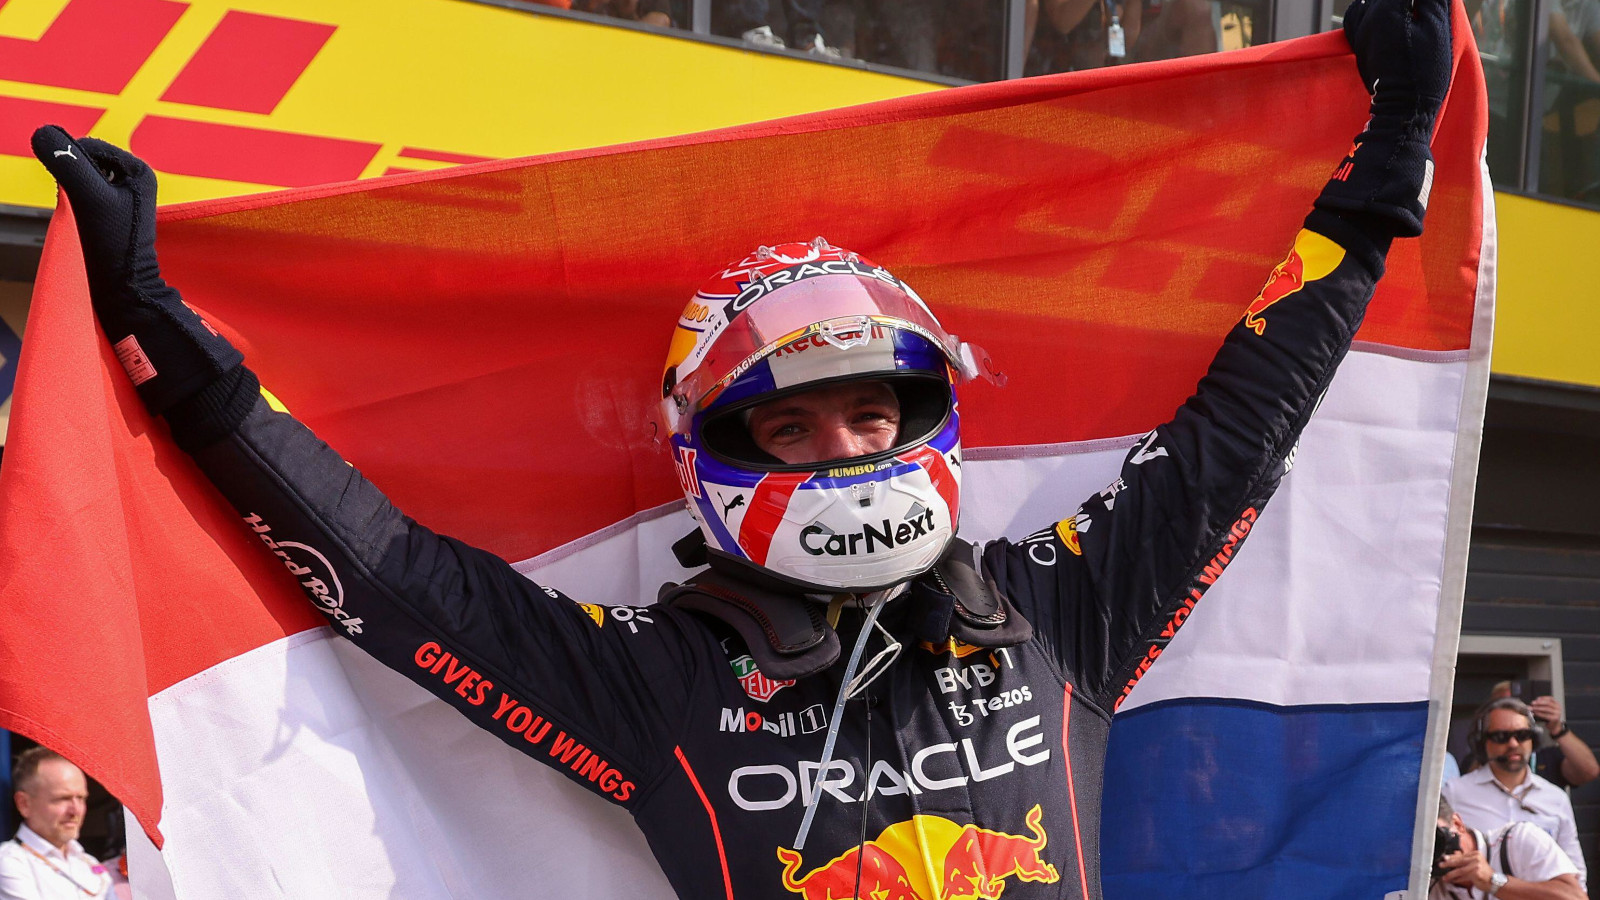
(1232, 798)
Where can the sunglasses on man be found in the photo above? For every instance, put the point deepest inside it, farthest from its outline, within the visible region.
(1506, 737)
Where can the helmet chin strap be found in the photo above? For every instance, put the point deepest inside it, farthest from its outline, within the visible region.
(851, 686)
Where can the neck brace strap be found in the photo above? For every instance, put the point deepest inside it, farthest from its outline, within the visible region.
(788, 635)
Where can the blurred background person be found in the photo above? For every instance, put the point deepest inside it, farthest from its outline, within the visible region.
(750, 21)
(1174, 28)
(1089, 34)
(648, 12)
(1575, 38)
(1514, 862)
(1571, 90)
(1560, 756)
(44, 861)
(955, 38)
(1505, 789)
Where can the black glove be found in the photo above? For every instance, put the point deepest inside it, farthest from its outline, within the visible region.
(1402, 50)
(168, 350)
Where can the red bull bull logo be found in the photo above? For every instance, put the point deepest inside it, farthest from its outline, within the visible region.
(1067, 530)
(882, 876)
(1286, 279)
(927, 858)
(1312, 257)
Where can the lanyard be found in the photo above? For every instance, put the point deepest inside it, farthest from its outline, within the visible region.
(46, 860)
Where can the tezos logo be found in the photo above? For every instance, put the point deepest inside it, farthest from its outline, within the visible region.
(818, 539)
(312, 569)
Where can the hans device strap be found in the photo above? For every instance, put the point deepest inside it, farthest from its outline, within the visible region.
(784, 632)
(789, 637)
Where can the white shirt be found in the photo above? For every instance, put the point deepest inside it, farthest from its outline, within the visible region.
(32, 869)
(1530, 855)
(1483, 803)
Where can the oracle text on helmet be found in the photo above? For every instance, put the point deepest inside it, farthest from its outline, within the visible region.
(761, 287)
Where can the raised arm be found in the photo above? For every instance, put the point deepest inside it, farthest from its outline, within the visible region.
(1122, 573)
(1578, 765)
(591, 694)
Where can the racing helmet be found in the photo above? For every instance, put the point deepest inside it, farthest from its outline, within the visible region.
(792, 318)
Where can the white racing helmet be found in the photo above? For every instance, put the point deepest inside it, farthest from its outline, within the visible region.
(788, 319)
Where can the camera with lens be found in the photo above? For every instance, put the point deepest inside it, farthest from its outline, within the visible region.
(1445, 842)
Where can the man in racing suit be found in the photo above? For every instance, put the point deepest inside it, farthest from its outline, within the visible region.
(719, 718)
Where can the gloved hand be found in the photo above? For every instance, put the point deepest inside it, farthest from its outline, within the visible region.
(167, 349)
(1402, 50)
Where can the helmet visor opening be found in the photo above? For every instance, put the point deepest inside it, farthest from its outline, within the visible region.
(841, 311)
(925, 400)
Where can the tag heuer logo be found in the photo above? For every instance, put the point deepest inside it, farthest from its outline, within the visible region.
(758, 686)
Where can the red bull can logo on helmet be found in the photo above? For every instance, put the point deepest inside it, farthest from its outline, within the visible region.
(927, 858)
(1312, 257)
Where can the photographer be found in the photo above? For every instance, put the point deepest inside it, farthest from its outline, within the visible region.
(1516, 861)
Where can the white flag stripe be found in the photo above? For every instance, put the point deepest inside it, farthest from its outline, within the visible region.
(354, 782)
(1334, 598)
(1458, 542)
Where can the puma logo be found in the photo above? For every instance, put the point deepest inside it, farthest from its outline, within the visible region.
(738, 501)
(67, 152)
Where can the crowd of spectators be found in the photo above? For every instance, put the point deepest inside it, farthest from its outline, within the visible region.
(1570, 116)
(967, 40)
(963, 39)
(1088, 34)
(661, 13)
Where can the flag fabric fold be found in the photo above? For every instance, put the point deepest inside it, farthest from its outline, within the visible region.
(485, 343)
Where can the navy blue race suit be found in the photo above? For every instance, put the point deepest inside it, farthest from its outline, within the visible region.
(985, 764)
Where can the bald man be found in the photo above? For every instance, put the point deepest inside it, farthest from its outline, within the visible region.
(45, 861)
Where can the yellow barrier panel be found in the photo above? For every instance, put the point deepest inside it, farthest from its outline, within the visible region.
(1547, 318)
(230, 96)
